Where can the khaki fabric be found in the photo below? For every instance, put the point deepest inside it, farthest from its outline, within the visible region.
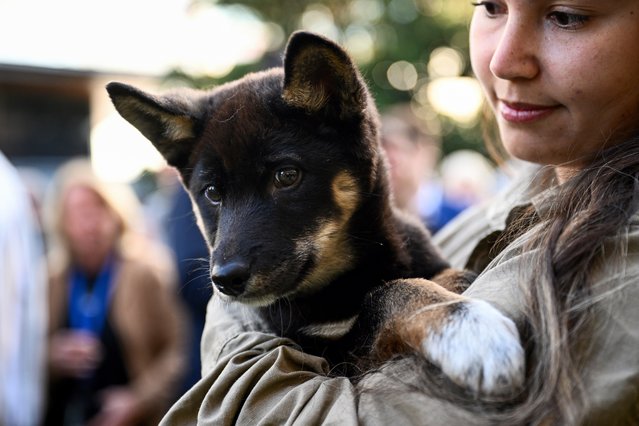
(253, 378)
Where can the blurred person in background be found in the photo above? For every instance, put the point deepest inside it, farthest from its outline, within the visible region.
(467, 178)
(192, 260)
(435, 193)
(158, 201)
(116, 336)
(22, 304)
(169, 211)
(412, 154)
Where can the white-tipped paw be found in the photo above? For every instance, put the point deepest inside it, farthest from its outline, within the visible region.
(479, 348)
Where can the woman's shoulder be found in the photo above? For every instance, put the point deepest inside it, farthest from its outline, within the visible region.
(148, 261)
(459, 237)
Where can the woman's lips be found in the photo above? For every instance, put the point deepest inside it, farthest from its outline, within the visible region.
(518, 112)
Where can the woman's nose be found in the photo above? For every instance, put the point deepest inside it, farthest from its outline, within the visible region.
(515, 56)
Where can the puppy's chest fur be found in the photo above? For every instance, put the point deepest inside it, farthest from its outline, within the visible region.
(327, 322)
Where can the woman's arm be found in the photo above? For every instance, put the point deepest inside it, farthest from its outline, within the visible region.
(152, 327)
(252, 377)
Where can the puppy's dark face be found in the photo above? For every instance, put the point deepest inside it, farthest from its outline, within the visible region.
(276, 164)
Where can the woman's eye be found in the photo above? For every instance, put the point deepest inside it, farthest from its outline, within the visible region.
(213, 194)
(492, 8)
(287, 177)
(568, 21)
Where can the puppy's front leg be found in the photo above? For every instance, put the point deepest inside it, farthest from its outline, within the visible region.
(473, 343)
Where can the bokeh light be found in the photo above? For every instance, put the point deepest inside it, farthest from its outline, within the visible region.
(209, 52)
(119, 153)
(459, 98)
(402, 75)
(445, 62)
(319, 18)
(360, 43)
(368, 11)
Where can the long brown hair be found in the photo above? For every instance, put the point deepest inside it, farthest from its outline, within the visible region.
(567, 246)
(586, 211)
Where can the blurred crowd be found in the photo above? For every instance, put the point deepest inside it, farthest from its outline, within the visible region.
(100, 315)
(424, 184)
(103, 297)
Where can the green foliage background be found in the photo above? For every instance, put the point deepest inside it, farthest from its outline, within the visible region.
(402, 30)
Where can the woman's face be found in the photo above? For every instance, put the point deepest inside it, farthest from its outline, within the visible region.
(90, 226)
(562, 77)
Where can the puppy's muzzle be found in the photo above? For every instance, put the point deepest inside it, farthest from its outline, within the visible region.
(230, 278)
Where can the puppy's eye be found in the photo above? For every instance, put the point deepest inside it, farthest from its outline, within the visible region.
(213, 194)
(287, 176)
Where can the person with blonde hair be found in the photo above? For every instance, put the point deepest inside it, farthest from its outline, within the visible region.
(116, 344)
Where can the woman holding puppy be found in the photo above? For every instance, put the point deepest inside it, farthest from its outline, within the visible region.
(558, 252)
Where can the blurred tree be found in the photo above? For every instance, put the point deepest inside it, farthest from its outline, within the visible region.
(396, 44)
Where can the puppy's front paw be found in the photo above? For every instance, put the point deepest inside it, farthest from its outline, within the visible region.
(479, 348)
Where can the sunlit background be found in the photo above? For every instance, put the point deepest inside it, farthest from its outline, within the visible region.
(412, 51)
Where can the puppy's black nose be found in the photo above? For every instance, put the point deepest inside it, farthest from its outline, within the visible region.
(230, 278)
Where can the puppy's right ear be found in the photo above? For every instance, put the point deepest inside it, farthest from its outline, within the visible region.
(320, 76)
(170, 122)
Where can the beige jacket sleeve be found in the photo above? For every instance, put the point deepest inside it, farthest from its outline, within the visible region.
(151, 324)
(251, 377)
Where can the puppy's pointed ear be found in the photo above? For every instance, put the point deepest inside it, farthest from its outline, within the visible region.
(320, 76)
(169, 122)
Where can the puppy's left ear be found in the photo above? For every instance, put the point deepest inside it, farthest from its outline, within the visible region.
(320, 76)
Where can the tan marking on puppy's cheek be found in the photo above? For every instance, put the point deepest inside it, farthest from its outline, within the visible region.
(334, 255)
(330, 242)
(345, 194)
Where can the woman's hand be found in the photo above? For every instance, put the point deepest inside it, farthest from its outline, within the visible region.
(120, 407)
(74, 354)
